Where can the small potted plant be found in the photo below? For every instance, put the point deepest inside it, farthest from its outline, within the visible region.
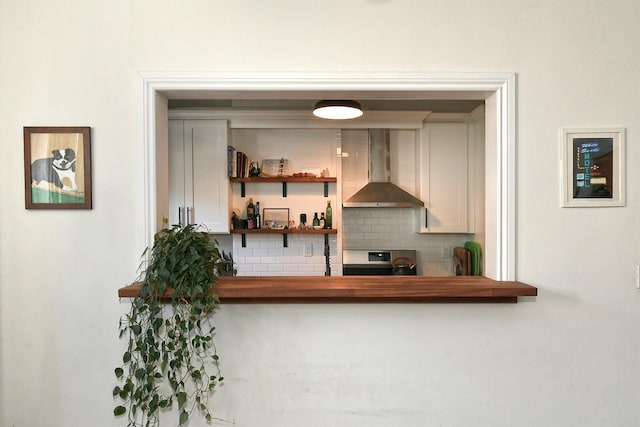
(170, 357)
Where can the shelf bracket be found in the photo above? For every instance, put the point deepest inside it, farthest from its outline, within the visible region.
(326, 189)
(244, 240)
(284, 189)
(285, 240)
(242, 191)
(327, 271)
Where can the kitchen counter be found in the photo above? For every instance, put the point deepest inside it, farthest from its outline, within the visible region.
(319, 289)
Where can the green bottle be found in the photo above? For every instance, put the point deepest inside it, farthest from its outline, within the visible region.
(251, 213)
(327, 215)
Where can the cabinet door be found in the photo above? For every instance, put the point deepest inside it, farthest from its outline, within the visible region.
(177, 170)
(208, 183)
(444, 178)
(198, 183)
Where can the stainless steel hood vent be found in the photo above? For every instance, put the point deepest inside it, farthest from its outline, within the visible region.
(380, 192)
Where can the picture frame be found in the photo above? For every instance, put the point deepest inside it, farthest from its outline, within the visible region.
(57, 167)
(593, 167)
(276, 218)
(275, 167)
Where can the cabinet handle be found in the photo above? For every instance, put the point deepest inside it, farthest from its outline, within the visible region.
(188, 216)
(180, 215)
(426, 218)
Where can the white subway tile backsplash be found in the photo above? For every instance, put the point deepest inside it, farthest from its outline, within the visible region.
(267, 260)
(270, 242)
(320, 268)
(267, 255)
(260, 251)
(315, 260)
(298, 260)
(253, 259)
(274, 268)
(397, 229)
(374, 222)
(380, 228)
(306, 268)
(243, 252)
(292, 251)
(274, 252)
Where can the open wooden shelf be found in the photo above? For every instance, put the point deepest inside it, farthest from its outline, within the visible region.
(377, 289)
(285, 231)
(283, 179)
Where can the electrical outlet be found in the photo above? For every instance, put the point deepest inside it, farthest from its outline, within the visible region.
(308, 250)
(446, 252)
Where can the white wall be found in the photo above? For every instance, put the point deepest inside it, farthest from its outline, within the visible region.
(566, 358)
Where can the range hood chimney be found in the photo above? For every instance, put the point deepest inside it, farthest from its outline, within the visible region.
(380, 192)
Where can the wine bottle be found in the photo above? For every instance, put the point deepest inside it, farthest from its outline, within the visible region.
(251, 213)
(327, 217)
(316, 220)
(258, 218)
(322, 221)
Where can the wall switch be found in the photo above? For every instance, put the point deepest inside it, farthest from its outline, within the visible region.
(308, 250)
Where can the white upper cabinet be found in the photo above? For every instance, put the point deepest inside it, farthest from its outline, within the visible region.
(198, 181)
(444, 156)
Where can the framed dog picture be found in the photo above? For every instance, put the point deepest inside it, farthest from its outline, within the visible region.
(57, 167)
(593, 172)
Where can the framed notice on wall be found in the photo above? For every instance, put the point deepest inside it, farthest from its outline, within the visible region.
(57, 167)
(593, 172)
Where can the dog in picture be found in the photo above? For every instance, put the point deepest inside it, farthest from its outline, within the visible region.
(54, 169)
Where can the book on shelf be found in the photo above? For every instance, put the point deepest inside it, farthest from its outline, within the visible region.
(241, 160)
(238, 163)
(231, 161)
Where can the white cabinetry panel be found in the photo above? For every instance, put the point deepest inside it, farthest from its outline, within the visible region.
(198, 182)
(444, 183)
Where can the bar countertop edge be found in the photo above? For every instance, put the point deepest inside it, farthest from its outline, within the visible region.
(322, 289)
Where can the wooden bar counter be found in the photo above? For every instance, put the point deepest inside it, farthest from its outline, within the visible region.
(377, 289)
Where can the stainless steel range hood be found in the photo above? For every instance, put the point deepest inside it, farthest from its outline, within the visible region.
(380, 192)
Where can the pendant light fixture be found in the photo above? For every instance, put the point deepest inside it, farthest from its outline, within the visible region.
(337, 109)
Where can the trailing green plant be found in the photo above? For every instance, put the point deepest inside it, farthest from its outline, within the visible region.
(170, 358)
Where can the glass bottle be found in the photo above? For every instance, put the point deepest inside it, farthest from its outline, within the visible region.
(316, 220)
(258, 218)
(327, 217)
(322, 221)
(251, 213)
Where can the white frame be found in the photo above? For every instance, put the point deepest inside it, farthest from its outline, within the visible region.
(617, 176)
(498, 89)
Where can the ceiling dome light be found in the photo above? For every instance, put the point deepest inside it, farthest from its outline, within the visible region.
(337, 109)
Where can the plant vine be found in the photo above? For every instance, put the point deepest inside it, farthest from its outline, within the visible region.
(170, 358)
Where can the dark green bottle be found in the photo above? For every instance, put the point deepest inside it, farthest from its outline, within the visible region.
(327, 215)
(251, 213)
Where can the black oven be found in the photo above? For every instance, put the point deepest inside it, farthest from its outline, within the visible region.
(364, 262)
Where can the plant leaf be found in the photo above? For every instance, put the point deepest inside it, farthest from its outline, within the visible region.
(184, 416)
(119, 410)
(182, 398)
